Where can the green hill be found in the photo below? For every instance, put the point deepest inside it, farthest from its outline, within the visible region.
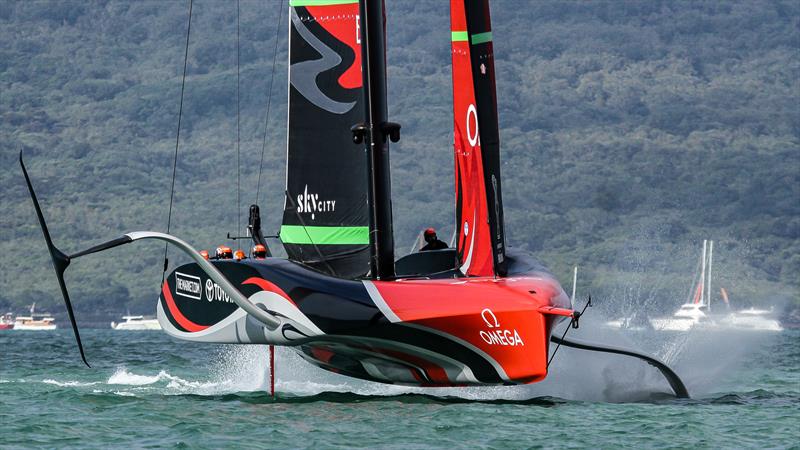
(630, 131)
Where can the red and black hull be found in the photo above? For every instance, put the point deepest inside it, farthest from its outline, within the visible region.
(425, 332)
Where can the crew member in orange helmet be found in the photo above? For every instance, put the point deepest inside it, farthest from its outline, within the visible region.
(204, 254)
(259, 251)
(223, 252)
(239, 255)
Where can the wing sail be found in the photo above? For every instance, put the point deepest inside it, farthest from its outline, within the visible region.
(479, 204)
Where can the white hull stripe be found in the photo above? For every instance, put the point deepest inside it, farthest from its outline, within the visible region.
(376, 297)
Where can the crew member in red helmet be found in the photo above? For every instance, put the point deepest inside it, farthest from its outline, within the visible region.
(239, 255)
(433, 243)
(223, 252)
(259, 251)
(204, 254)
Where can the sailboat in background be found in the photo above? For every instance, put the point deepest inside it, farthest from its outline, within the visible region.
(472, 315)
(695, 311)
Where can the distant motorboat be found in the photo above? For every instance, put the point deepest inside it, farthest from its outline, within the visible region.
(689, 316)
(35, 322)
(752, 319)
(132, 323)
(7, 321)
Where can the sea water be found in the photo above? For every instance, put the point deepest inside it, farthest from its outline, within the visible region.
(147, 390)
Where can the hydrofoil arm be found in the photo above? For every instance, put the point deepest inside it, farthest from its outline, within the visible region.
(672, 378)
(61, 261)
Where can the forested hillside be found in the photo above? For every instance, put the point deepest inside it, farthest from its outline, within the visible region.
(630, 132)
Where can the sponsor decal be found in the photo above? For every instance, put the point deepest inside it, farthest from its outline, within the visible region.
(472, 117)
(495, 335)
(313, 204)
(187, 286)
(215, 293)
(358, 29)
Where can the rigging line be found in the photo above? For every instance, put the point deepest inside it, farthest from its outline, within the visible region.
(269, 100)
(238, 129)
(177, 137)
(573, 323)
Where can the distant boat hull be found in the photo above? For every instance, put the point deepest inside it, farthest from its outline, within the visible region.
(151, 324)
(752, 319)
(136, 323)
(34, 327)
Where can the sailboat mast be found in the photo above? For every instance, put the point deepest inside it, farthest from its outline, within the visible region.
(703, 272)
(373, 51)
(708, 280)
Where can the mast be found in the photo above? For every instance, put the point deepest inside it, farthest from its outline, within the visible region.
(708, 281)
(703, 271)
(375, 130)
(574, 285)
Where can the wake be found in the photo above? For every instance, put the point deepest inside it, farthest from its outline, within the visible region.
(701, 358)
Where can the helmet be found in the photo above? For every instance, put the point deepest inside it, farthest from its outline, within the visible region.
(239, 255)
(259, 251)
(224, 252)
(430, 234)
(204, 254)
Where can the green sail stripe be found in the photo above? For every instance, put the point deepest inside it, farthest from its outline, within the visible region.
(458, 36)
(320, 2)
(480, 38)
(297, 234)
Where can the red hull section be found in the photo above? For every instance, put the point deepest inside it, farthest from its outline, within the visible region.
(505, 319)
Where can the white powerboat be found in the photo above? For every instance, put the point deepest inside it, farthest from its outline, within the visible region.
(35, 322)
(132, 323)
(752, 319)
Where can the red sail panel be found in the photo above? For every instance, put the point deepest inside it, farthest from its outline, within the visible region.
(480, 240)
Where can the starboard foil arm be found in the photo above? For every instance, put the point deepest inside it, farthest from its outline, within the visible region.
(672, 378)
(61, 261)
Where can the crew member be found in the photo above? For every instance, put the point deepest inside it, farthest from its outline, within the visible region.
(433, 243)
(223, 252)
(204, 254)
(239, 255)
(259, 251)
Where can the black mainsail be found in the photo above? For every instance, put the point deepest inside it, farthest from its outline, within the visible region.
(326, 219)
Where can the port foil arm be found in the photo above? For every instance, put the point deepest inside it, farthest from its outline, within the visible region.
(272, 322)
(61, 261)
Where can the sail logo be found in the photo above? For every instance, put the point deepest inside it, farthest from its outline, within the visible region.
(187, 286)
(472, 117)
(215, 293)
(496, 335)
(313, 204)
